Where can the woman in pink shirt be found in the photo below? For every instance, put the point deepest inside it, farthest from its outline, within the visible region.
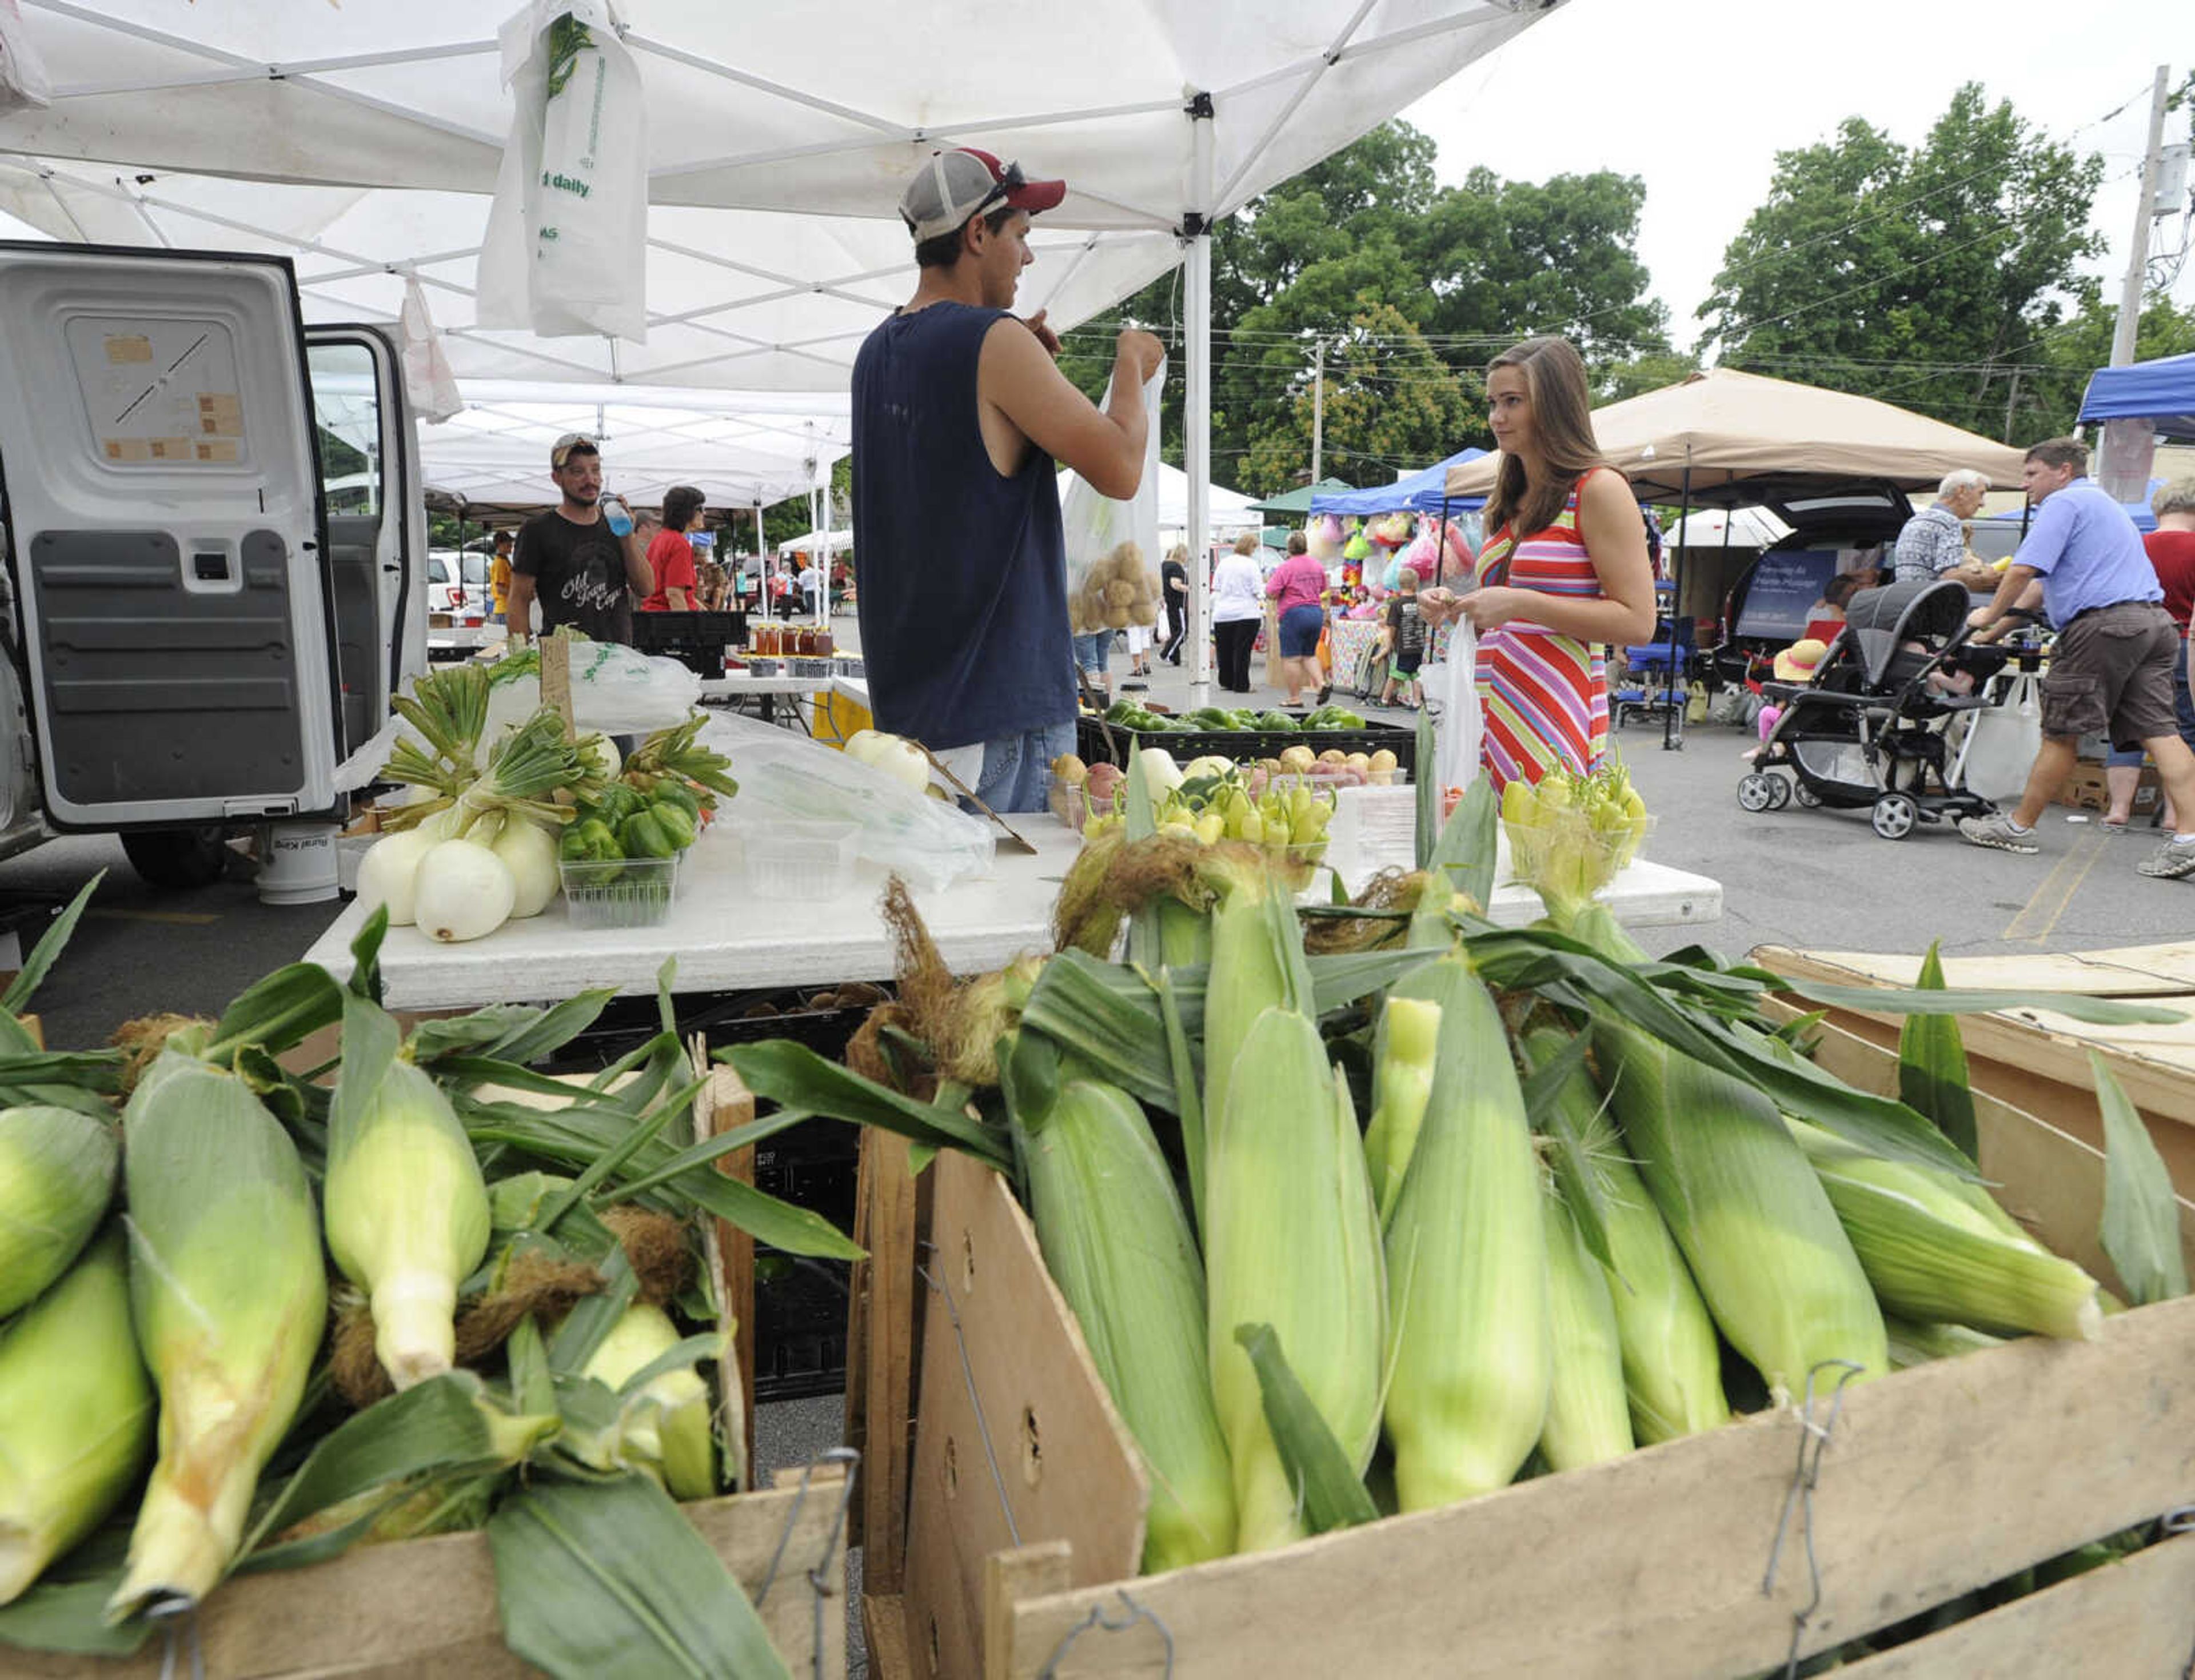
(1296, 587)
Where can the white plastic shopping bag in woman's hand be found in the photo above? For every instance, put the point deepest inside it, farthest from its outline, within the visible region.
(566, 252)
(1112, 547)
(1457, 685)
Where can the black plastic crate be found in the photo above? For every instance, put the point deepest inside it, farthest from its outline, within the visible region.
(696, 640)
(1098, 742)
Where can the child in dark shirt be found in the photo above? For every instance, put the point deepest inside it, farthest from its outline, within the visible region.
(1402, 639)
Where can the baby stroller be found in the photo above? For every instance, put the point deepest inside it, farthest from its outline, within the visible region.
(1869, 729)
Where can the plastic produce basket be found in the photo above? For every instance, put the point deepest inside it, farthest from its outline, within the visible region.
(630, 892)
(802, 861)
(1098, 742)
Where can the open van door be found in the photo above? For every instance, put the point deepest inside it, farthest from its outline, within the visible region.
(377, 519)
(176, 625)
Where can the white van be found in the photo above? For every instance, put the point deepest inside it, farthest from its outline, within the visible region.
(213, 540)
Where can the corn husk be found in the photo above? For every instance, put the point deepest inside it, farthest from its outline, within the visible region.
(75, 1414)
(1291, 1241)
(229, 1299)
(1467, 1264)
(57, 1171)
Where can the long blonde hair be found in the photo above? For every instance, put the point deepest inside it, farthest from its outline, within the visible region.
(1562, 426)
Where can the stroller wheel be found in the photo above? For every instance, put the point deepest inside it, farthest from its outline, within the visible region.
(1894, 815)
(1783, 796)
(1756, 791)
(1808, 799)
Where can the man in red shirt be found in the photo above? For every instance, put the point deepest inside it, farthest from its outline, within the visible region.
(673, 555)
(2171, 550)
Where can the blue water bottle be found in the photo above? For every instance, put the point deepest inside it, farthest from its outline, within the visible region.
(620, 521)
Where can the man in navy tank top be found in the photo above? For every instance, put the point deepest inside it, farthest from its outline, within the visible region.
(960, 419)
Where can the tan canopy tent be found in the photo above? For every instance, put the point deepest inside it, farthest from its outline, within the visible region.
(1718, 429)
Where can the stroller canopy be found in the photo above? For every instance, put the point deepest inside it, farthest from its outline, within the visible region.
(1881, 621)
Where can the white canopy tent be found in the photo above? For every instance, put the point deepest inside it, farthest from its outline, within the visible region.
(1163, 116)
(818, 542)
(1226, 510)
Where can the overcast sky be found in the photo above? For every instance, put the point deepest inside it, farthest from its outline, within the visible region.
(1697, 96)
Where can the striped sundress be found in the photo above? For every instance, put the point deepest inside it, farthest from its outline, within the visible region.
(1544, 696)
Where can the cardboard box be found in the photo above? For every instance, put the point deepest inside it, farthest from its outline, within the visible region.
(2087, 790)
(1025, 1502)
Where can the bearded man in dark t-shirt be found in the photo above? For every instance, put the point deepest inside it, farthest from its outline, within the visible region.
(582, 560)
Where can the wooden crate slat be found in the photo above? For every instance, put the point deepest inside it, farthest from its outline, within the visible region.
(2131, 1620)
(1068, 1470)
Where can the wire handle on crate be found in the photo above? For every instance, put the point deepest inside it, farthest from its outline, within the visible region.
(975, 1400)
(1813, 1441)
(1103, 1623)
(821, 1585)
(177, 1619)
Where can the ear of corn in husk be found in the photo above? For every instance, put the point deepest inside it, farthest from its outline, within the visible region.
(1765, 1246)
(407, 1214)
(1257, 962)
(229, 1299)
(1118, 1245)
(1403, 1056)
(1931, 1254)
(1589, 1414)
(1913, 1344)
(57, 1170)
(1672, 1358)
(665, 1424)
(1291, 1241)
(75, 1414)
(1467, 1264)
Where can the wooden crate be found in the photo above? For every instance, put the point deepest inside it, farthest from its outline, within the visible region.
(2038, 1059)
(1024, 1522)
(426, 1609)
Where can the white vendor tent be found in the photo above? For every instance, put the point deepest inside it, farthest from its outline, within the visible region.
(1731, 527)
(1224, 509)
(1163, 116)
(818, 542)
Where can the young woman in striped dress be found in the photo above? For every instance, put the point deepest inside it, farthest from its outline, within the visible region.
(1563, 574)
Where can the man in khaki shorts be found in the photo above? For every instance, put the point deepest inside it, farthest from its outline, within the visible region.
(2112, 667)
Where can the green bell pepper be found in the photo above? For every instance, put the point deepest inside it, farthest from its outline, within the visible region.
(662, 831)
(591, 840)
(679, 794)
(616, 802)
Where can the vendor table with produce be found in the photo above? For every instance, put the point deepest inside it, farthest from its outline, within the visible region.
(723, 938)
(737, 686)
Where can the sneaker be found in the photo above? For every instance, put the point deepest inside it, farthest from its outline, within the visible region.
(1995, 830)
(2171, 860)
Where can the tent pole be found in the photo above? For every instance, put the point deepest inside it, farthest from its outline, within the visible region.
(1196, 394)
(1673, 734)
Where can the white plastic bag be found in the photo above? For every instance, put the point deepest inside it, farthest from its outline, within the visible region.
(23, 84)
(428, 380)
(566, 251)
(1112, 547)
(1455, 683)
(928, 841)
(614, 689)
(2002, 743)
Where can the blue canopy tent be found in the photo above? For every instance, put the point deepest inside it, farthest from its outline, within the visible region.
(2161, 392)
(1421, 493)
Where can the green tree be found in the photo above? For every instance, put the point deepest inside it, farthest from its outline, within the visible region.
(1465, 269)
(1924, 275)
(1392, 405)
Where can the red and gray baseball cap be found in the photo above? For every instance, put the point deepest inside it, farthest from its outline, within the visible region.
(953, 186)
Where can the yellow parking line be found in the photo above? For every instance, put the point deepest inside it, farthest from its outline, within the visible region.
(2049, 902)
(173, 918)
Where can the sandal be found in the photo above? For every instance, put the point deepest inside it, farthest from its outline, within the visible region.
(1325, 693)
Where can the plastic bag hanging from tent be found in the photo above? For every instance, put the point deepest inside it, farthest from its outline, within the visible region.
(428, 380)
(1104, 581)
(566, 252)
(2124, 462)
(23, 82)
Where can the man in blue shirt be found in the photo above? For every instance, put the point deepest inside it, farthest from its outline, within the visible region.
(959, 415)
(2112, 666)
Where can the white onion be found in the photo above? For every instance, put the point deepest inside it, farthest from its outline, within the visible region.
(897, 756)
(462, 891)
(388, 873)
(530, 855)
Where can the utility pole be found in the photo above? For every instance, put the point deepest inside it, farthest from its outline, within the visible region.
(1318, 405)
(2011, 401)
(2137, 273)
